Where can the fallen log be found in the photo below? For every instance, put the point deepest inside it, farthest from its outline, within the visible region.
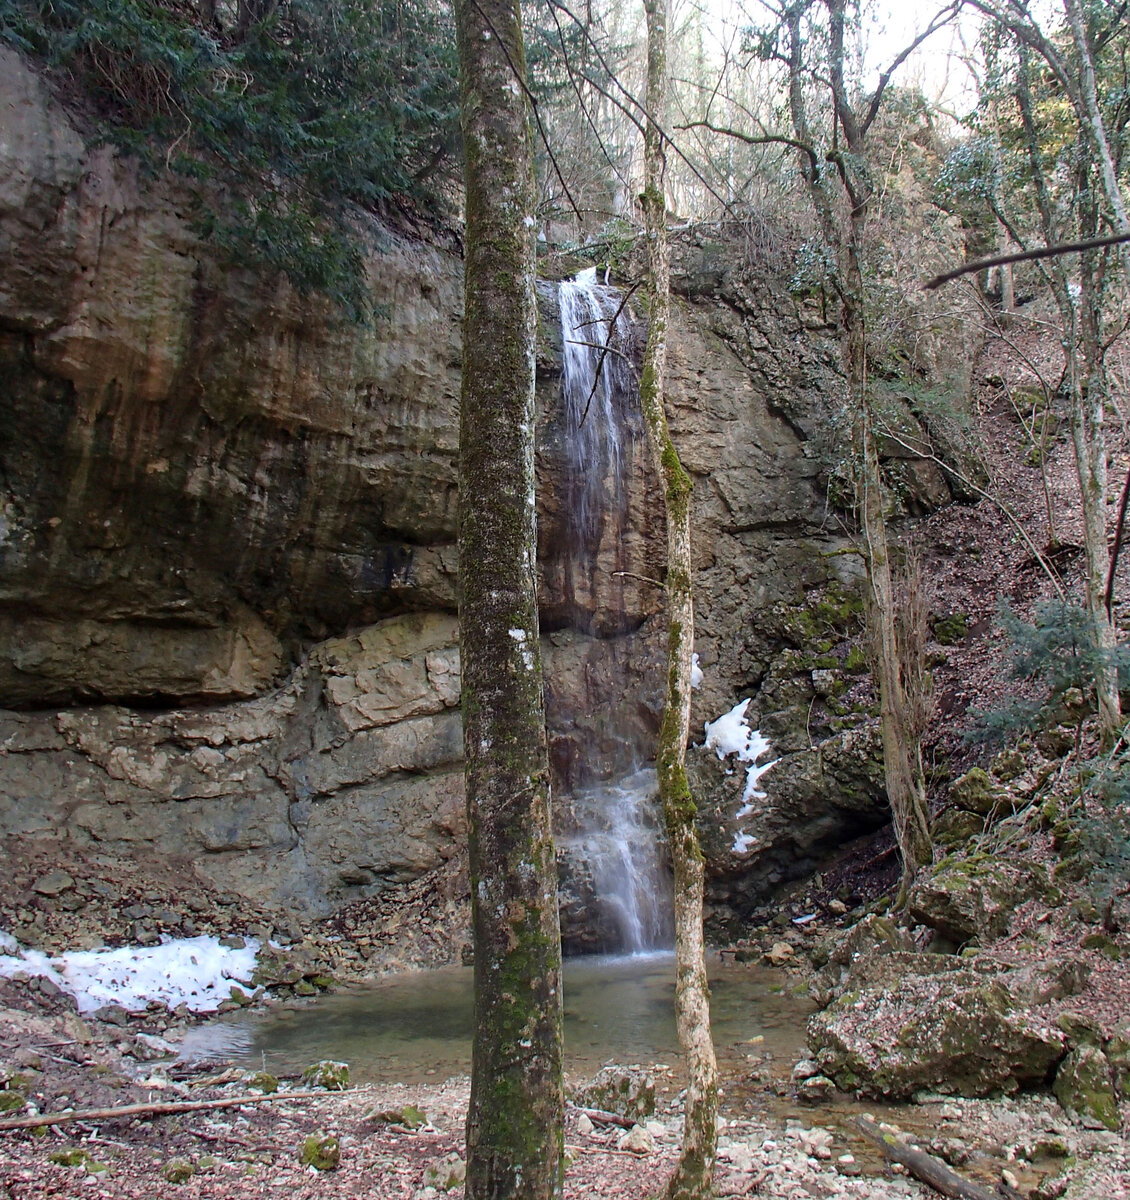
(925, 1167)
(163, 1109)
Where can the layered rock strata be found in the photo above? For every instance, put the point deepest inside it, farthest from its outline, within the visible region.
(227, 548)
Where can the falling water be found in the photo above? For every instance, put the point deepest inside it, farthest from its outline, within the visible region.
(617, 845)
(596, 382)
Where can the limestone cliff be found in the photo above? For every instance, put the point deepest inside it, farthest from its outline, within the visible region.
(227, 548)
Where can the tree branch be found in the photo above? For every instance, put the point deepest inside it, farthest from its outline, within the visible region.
(166, 1108)
(750, 139)
(1026, 255)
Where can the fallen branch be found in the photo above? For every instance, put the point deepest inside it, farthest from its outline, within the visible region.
(923, 1166)
(605, 1118)
(167, 1108)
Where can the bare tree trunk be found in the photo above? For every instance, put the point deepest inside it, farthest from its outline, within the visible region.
(515, 1120)
(902, 759)
(1094, 125)
(694, 1172)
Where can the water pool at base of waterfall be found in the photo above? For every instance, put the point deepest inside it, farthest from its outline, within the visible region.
(414, 1027)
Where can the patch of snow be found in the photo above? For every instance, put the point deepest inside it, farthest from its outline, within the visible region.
(8, 944)
(742, 842)
(731, 734)
(197, 972)
(696, 673)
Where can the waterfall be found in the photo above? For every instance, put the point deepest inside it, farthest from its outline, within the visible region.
(619, 877)
(593, 405)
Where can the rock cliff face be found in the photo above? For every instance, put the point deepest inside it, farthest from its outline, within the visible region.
(227, 549)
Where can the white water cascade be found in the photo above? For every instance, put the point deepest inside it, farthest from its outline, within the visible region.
(596, 385)
(616, 842)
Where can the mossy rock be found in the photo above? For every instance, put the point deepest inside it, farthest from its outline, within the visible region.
(856, 662)
(450, 1172)
(1007, 766)
(304, 988)
(847, 954)
(957, 1032)
(975, 897)
(1117, 1051)
(1056, 742)
(177, 1170)
(322, 1151)
(1104, 944)
(1081, 1030)
(1084, 1085)
(411, 1116)
(951, 630)
(10, 1100)
(328, 1074)
(69, 1158)
(626, 1091)
(955, 828)
(977, 792)
(265, 1082)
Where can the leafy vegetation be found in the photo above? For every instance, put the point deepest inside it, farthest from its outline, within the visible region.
(1059, 654)
(296, 113)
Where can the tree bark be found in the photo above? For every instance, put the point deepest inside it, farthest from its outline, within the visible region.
(1094, 124)
(515, 1121)
(694, 1172)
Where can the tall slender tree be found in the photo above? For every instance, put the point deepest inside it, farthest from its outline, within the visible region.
(515, 1119)
(842, 192)
(695, 1169)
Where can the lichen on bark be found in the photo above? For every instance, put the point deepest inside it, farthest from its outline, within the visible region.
(694, 1172)
(515, 1141)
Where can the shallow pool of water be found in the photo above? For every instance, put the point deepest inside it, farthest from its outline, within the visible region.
(409, 1027)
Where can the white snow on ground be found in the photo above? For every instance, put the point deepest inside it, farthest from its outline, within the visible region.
(696, 672)
(731, 734)
(197, 972)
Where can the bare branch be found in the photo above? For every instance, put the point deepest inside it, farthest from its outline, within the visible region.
(1026, 255)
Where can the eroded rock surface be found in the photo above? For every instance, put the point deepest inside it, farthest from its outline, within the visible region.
(227, 548)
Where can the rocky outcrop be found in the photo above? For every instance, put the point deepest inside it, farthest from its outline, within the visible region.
(227, 549)
(963, 899)
(927, 1022)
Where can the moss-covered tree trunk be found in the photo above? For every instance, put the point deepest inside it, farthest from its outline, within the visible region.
(515, 1120)
(695, 1169)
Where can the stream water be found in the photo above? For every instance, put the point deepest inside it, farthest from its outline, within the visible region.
(409, 1028)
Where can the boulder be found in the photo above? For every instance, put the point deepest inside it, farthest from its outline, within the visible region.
(932, 1026)
(974, 897)
(626, 1091)
(853, 952)
(976, 792)
(1084, 1085)
(1117, 1051)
